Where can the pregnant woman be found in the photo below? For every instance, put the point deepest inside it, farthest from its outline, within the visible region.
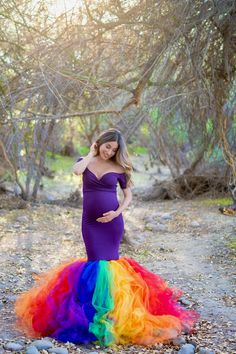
(103, 298)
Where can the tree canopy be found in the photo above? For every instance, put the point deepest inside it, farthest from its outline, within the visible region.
(160, 70)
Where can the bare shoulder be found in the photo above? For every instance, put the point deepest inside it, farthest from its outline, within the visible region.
(118, 168)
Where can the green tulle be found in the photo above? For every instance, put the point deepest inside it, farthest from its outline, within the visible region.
(103, 302)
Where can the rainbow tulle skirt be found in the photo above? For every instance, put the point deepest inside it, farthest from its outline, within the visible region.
(103, 301)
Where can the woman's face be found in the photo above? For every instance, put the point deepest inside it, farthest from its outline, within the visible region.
(108, 150)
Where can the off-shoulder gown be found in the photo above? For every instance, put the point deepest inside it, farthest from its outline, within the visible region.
(102, 298)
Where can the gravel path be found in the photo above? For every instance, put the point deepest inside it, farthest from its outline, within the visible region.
(184, 242)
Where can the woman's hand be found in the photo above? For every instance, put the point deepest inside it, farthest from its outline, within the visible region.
(93, 149)
(108, 216)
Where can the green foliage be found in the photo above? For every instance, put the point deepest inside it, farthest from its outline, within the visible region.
(209, 126)
(216, 154)
(234, 122)
(155, 115)
(232, 243)
(59, 164)
(144, 130)
(6, 175)
(178, 132)
(175, 126)
(82, 150)
(217, 202)
(137, 150)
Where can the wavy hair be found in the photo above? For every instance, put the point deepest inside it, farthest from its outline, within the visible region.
(121, 156)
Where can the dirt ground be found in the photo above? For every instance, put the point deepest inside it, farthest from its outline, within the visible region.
(186, 242)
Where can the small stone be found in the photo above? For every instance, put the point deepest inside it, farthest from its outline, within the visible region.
(166, 216)
(11, 298)
(14, 346)
(22, 218)
(155, 227)
(35, 271)
(41, 344)
(44, 351)
(50, 197)
(179, 341)
(58, 350)
(147, 218)
(158, 214)
(16, 226)
(192, 341)
(206, 351)
(187, 349)
(32, 350)
(195, 224)
(158, 227)
(185, 301)
(31, 227)
(149, 227)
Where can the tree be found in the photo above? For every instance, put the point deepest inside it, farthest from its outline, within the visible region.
(120, 62)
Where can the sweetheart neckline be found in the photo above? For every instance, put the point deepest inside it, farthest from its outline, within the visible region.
(107, 173)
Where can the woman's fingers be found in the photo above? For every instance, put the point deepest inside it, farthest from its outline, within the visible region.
(108, 216)
(104, 219)
(107, 213)
(93, 148)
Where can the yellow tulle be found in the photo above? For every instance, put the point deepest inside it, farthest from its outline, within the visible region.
(132, 320)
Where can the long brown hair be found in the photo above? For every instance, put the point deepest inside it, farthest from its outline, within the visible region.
(121, 156)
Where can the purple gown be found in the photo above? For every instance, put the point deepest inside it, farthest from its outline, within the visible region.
(99, 196)
(107, 299)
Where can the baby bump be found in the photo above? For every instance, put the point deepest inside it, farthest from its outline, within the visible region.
(97, 203)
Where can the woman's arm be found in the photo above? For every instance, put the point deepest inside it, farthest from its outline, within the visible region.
(80, 166)
(125, 202)
(110, 215)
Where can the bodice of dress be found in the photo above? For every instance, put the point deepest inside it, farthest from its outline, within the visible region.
(107, 183)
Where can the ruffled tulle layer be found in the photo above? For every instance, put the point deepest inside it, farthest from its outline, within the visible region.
(105, 301)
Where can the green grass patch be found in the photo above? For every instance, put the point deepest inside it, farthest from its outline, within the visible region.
(232, 244)
(217, 201)
(64, 181)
